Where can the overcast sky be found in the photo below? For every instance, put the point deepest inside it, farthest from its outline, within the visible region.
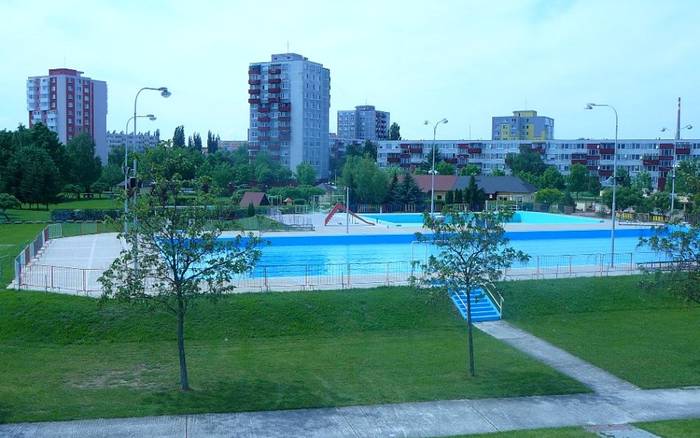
(463, 60)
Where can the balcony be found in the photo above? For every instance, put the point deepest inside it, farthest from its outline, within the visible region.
(683, 151)
(592, 157)
(263, 110)
(264, 138)
(392, 159)
(273, 100)
(664, 146)
(474, 150)
(274, 90)
(416, 149)
(263, 128)
(579, 161)
(284, 118)
(254, 81)
(274, 81)
(274, 71)
(254, 101)
(285, 107)
(592, 146)
(263, 119)
(650, 161)
(605, 172)
(463, 146)
(606, 151)
(254, 91)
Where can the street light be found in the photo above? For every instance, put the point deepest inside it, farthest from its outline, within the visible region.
(150, 117)
(590, 106)
(674, 163)
(432, 169)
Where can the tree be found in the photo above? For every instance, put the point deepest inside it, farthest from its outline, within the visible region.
(469, 170)
(212, 143)
(251, 210)
(8, 202)
(549, 196)
(642, 182)
(594, 185)
(35, 178)
(459, 197)
(625, 197)
(578, 178)
(354, 149)
(99, 187)
(445, 168)
(681, 275)
(111, 176)
(368, 183)
(116, 156)
(474, 196)
(369, 149)
(180, 258)
(450, 198)
(197, 142)
(306, 174)
(473, 251)
(394, 131)
(498, 172)
(72, 189)
(409, 192)
(179, 137)
(527, 160)
(85, 167)
(623, 178)
(552, 179)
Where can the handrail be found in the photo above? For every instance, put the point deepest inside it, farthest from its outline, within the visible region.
(496, 296)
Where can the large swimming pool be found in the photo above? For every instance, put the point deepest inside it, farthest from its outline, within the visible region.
(292, 256)
(525, 217)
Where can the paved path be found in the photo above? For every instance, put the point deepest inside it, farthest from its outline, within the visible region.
(439, 418)
(620, 431)
(595, 378)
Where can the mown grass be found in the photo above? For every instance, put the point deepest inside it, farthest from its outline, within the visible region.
(13, 238)
(673, 428)
(643, 336)
(564, 432)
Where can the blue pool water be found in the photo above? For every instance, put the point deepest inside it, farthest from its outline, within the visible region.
(292, 256)
(525, 217)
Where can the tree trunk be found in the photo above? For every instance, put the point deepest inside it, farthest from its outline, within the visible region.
(184, 381)
(470, 338)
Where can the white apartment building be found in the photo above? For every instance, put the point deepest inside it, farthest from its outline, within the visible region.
(655, 156)
(70, 104)
(289, 101)
(364, 122)
(142, 141)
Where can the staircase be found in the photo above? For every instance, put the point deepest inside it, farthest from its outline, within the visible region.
(486, 303)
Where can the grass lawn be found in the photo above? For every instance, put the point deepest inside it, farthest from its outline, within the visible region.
(66, 357)
(645, 337)
(13, 238)
(41, 214)
(673, 429)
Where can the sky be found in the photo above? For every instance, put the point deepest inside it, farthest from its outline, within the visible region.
(463, 60)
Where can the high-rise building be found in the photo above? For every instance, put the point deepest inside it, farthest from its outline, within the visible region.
(522, 125)
(70, 104)
(289, 101)
(140, 143)
(364, 122)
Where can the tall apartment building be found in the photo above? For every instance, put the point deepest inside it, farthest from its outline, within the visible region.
(655, 156)
(143, 140)
(364, 122)
(70, 104)
(289, 101)
(522, 125)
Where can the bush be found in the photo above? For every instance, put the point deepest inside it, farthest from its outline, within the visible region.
(251, 210)
(64, 215)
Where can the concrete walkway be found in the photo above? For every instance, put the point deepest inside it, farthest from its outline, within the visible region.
(439, 418)
(595, 378)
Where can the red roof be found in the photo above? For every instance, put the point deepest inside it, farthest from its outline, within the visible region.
(443, 183)
(255, 198)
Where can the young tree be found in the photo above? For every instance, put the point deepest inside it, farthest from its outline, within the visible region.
(450, 198)
(394, 131)
(8, 202)
(549, 196)
(642, 182)
(251, 210)
(469, 170)
(445, 168)
(681, 275)
(578, 178)
(212, 143)
(552, 179)
(173, 257)
(473, 251)
(306, 175)
(35, 179)
(623, 178)
(85, 167)
(369, 149)
(111, 176)
(498, 172)
(474, 196)
(527, 160)
(409, 192)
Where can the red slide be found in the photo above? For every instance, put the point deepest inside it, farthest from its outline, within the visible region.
(341, 208)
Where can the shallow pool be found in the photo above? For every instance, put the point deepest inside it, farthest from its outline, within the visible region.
(524, 217)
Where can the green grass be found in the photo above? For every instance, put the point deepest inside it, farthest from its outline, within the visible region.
(645, 337)
(564, 432)
(13, 238)
(66, 357)
(673, 428)
(43, 214)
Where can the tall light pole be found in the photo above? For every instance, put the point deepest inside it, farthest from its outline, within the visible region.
(432, 169)
(126, 165)
(674, 163)
(590, 106)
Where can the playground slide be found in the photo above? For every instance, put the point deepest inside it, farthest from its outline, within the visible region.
(341, 208)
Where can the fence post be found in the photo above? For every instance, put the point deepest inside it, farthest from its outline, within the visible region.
(387, 273)
(349, 282)
(51, 277)
(265, 283)
(306, 277)
(84, 281)
(570, 268)
(631, 262)
(537, 272)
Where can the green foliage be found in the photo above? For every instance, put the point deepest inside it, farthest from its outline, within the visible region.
(526, 161)
(552, 179)
(568, 200)
(681, 246)
(594, 185)
(85, 167)
(473, 251)
(498, 172)
(578, 178)
(179, 137)
(625, 197)
(549, 196)
(212, 142)
(111, 176)
(459, 197)
(173, 257)
(72, 189)
(474, 197)
(623, 177)
(34, 178)
(642, 182)
(306, 175)
(7, 202)
(299, 192)
(450, 198)
(394, 131)
(251, 210)
(409, 192)
(367, 182)
(369, 149)
(116, 156)
(469, 170)
(445, 168)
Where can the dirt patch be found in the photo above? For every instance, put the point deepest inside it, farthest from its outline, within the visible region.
(142, 376)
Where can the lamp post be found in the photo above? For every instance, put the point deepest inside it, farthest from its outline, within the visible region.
(163, 92)
(590, 106)
(150, 117)
(432, 169)
(674, 163)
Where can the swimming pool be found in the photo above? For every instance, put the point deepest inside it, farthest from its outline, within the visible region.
(525, 217)
(371, 254)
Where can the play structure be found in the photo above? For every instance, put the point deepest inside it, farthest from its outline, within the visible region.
(340, 208)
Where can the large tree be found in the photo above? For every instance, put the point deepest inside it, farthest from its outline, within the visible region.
(526, 161)
(367, 182)
(578, 178)
(85, 167)
(174, 257)
(179, 136)
(34, 177)
(369, 149)
(474, 196)
(306, 175)
(409, 192)
(552, 179)
(212, 143)
(8, 202)
(473, 251)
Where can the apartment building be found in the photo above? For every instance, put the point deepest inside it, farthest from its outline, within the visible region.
(140, 143)
(522, 125)
(364, 123)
